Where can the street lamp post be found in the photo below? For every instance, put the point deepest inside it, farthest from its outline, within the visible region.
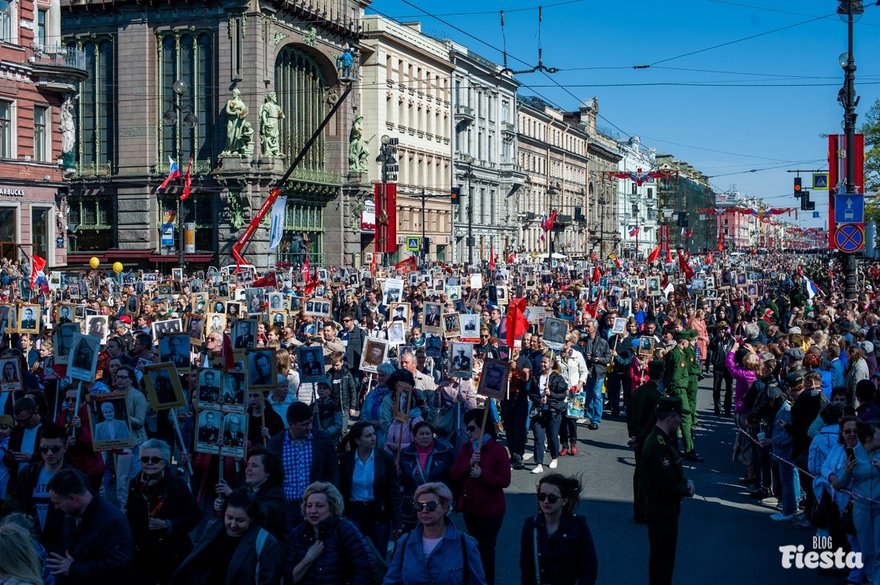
(387, 150)
(179, 117)
(850, 8)
(552, 190)
(468, 160)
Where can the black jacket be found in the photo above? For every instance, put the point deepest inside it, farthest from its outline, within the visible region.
(325, 463)
(354, 348)
(600, 355)
(242, 568)
(21, 499)
(565, 558)
(101, 546)
(386, 483)
(170, 500)
(558, 391)
(344, 561)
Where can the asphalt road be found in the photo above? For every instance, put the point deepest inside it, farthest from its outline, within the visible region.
(724, 536)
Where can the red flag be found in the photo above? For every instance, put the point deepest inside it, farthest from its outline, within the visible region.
(187, 180)
(306, 269)
(709, 258)
(686, 270)
(511, 258)
(38, 264)
(310, 286)
(491, 260)
(265, 280)
(652, 257)
(597, 274)
(227, 356)
(373, 264)
(616, 262)
(668, 254)
(591, 308)
(517, 324)
(408, 265)
(720, 240)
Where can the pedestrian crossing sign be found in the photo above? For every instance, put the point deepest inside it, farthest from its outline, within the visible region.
(413, 244)
(820, 181)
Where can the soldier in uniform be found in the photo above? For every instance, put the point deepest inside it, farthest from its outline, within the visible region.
(664, 486)
(677, 380)
(640, 420)
(694, 372)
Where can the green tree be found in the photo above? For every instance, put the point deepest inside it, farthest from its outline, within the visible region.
(871, 129)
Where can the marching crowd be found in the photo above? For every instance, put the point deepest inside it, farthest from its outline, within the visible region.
(223, 428)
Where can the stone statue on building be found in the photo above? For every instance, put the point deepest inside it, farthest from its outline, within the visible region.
(247, 139)
(68, 133)
(236, 117)
(270, 120)
(358, 154)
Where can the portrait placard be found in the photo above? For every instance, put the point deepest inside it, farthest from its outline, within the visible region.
(10, 380)
(175, 348)
(310, 362)
(63, 339)
(653, 284)
(433, 346)
(396, 333)
(216, 323)
(400, 312)
(65, 313)
(432, 321)
(392, 291)
(98, 326)
(462, 363)
(319, 308)
(167, 327)
(555, 331)
(109, 422)
(493, 380)
(208, 431)
(374, 353)
(403, 401)
(234, 391)
(619, 326)
(646, 346)
(262, 369)
(451, 325)
(84, 358)
(162, 382)
(209, 383)
(234, 435)
(470, 326)
(244, 334)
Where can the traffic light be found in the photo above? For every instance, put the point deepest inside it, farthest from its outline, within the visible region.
(455, 195)
(798, 187)
(806, 203)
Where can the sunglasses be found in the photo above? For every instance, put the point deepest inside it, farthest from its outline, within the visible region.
(429, 506)
(153, 460)
(53, 449)
(551, 498)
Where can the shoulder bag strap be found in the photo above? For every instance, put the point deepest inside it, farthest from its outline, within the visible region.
(535, 553)
(261, 542)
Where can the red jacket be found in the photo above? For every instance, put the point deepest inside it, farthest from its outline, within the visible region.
(483, 496)
(81, 455)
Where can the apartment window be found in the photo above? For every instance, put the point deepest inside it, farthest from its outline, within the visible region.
(187, 57)
(650, 193)
(41, 28)
(505, 110)
(6, 129)
(92, 214)
(96, 115)
(41, 135)
(6, 19)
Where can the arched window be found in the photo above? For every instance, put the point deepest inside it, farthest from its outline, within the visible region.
(301, 91)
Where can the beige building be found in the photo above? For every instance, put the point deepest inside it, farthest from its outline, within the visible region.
(405, 94)
(553, 154)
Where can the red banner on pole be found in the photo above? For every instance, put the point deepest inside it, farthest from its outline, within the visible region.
(381, 218)
(664, 241)
(391, 213)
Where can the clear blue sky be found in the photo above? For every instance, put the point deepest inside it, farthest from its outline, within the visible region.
(788, 79)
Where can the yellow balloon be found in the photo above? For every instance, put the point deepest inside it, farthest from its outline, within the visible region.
(94, 262)
(117, 267)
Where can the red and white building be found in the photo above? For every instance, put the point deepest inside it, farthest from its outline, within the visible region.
(37, 77)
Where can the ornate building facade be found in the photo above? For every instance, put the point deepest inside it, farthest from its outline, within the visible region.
(405, 94)
(484, 157)
(191, 81)
(39, 78)
(637, 204)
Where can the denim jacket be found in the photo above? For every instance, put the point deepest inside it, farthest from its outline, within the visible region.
(444, 566)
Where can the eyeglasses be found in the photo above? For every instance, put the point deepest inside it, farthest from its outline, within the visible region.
(551, 498)
(346, 320)
(53, 449)
(153, 460)
(429, 506)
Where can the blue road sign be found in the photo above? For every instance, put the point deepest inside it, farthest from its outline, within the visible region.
(413, 244)
(849, 208)
(850, 237)
(815, 215)
(820, 181)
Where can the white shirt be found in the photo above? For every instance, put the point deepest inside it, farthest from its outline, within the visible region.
(363, 477)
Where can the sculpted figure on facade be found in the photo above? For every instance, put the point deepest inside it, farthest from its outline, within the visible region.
(270, 122)
(236, 116)
(68, 132)
(358, 155)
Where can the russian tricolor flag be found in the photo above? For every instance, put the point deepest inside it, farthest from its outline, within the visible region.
(173, 174)
(812, 288)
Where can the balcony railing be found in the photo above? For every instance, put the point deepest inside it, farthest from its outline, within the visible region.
(59, 56)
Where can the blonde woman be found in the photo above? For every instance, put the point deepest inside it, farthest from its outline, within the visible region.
(19, 562)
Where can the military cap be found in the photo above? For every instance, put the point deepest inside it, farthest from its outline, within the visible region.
(671, 404)
(688, 334)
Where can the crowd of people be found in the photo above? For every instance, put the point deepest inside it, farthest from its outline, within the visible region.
(318, 419)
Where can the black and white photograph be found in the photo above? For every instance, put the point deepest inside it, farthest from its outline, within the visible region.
(438, 285)
(710, 283)
(400, 312)
(741, 279)
(555, 331)
(10, 379)
(4, 319)
(218, 306)
(167, 327)
(296, 304)
(262, 369)
(432, 321)
(244, 334)
(200, 303)
(254, 299)
(109, 421)
(234, 310)
(234, 390)
(216, 323)
(392, 291)
(223, 290)
(619, 326)
(277, 318)
(162, 383)
(177, 274)
(84, 358)
(210, 382)
(403, 402)
(63, 338)
(453, 292)
(374, 353)
(493, 380)
(451, 325)
(318, 307)
(208, 432)
(461, 362)
(233, 435)
(195, 328)
(310, 362)
(646, 346)
(29, 318)
(276, 302)
(65, 313)
(176, 349)
(470, 326)
(396, 333)
(433, 346)
(653, 284)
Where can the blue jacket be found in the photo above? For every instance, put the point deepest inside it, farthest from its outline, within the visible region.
(444, 566)
(783, 443)
(343, 558)
(864, 479)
